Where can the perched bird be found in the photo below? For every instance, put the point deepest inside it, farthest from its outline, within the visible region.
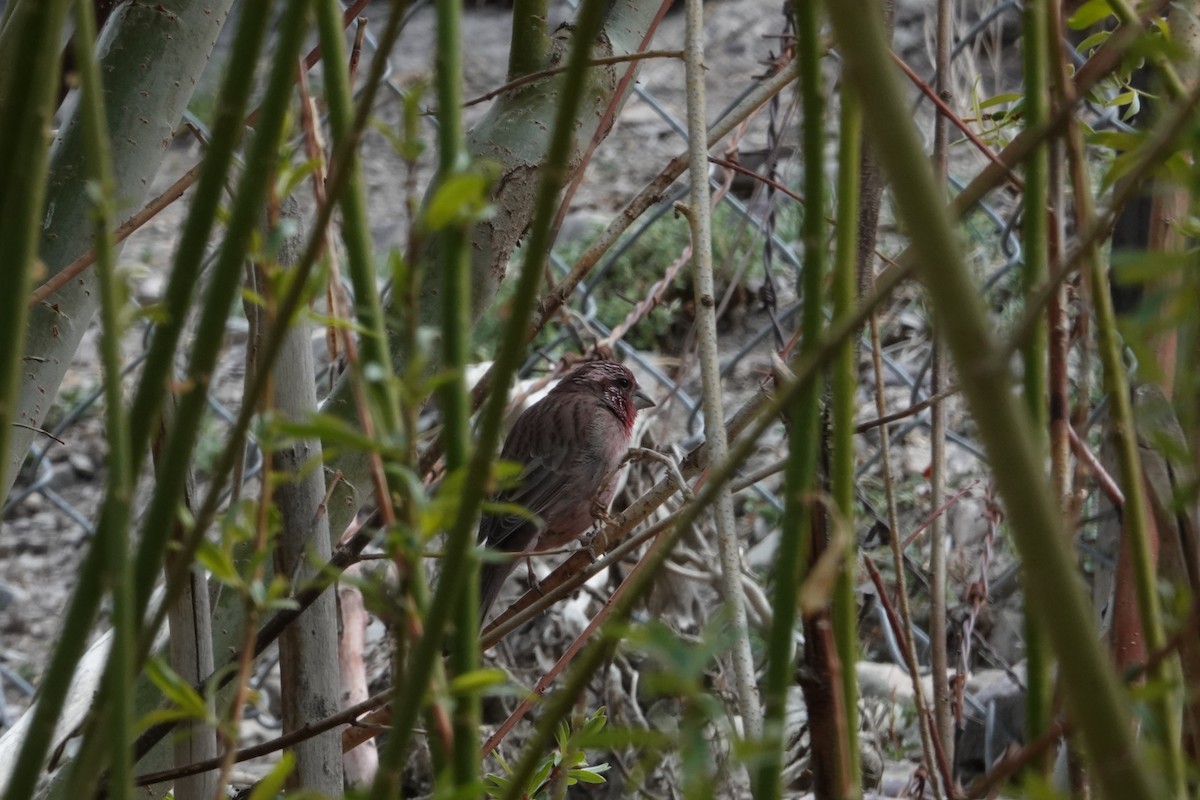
(569, 442)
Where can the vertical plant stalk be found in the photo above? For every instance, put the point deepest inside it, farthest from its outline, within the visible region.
(375, 365)
(796, 529)
(868, 223)
(1135, 523)
(455, 267)
(360, 763)
(178, 298)
(27, 95)
(842, 395)
(119, 491)
(943, 697)
(36, 27)
(530, 47)
(925, 723)
(1035, 237)
(308, 649)
(1093, 693)
(700, 218)
(871, 186)
(508, 358)
(190, 650)
(1059, 339)
(1059, 322)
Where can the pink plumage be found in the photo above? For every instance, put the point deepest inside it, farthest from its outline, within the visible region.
(568, 442)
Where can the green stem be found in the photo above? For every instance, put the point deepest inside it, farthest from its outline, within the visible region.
(842, 400)
(529, 49)
(803, 421)
(939, 662)
(1035, 231)
(455, 267)
(26, 109)
(1093, 693)
(118, 724)
(508, 357)
(374, 366)
(699, 214)
(244, 218)
(27, 95)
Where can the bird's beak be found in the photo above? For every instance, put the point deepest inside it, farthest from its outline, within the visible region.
(642, 400)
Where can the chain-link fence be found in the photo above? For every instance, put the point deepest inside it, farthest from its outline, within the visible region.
(768, 217)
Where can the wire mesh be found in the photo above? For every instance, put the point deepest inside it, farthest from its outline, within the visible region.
(907, 359)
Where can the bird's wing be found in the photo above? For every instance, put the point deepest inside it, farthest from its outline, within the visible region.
(538, 442)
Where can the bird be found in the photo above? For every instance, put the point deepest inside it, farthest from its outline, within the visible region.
(568, 444)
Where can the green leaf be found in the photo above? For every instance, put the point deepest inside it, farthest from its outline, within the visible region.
(1001, 99)
(460, 199)
(328, 429)
(477, 680)
(595, 723)
(1092, 42)
(188, 702)
(593, 774)
(219, 563)
(542, 775)
(272, 784)
(1115, 140)
(290, 179)
(1090, 13)
(563, 735)
(1142, 266)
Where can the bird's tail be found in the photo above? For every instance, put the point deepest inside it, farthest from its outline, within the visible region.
(492, 575)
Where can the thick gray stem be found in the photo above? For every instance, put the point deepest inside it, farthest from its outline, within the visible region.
(308, 649)
(191, 653)
(151, 57)
(700, 217)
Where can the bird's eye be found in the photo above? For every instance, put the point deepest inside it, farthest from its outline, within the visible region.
(624, 383)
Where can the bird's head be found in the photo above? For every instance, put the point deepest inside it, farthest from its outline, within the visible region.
(613, 383)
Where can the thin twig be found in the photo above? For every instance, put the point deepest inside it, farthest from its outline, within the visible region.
(911, 411)
(901, 634)
(347, 716)
(534, 77)
(936, 514)
(1107, 484)
(948, 113)
(924, 720)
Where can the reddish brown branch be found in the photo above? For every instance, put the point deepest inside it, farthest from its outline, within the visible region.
(949, 114)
